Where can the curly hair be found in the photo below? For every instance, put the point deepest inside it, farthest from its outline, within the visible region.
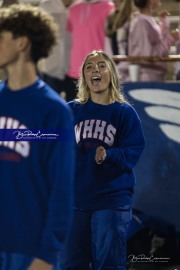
(32, 22)
(115, 89)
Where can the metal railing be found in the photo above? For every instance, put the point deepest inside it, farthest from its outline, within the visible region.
(140, 59)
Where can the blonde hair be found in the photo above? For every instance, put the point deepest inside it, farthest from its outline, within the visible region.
(115, 90)
(119, 17)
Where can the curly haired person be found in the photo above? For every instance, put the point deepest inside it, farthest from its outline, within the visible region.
(35, 176)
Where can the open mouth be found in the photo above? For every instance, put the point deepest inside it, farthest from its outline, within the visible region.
(96, 80)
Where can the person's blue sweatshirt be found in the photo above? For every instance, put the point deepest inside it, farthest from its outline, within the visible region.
(36, 176)
(117, 128)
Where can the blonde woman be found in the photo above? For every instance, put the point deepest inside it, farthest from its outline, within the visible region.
(109, 142)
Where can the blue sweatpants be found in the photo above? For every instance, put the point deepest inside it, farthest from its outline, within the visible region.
(97, 239)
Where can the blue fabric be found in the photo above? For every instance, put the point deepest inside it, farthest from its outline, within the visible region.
(10, 261)
(98, 238)
(36, 189)
(158, 172)
(117, 128)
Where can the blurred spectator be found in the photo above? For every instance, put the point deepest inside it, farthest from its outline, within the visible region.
(118, 29)
(85, 32)
(148, 38)
(177, 64)
(116, 20)
(7, 2)
(55, 66)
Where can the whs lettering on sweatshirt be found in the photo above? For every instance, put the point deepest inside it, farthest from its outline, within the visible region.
(97, 129)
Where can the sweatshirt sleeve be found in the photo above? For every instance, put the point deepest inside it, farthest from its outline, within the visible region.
(59, 162)
(165, 31)
(147, 38)
(130, 141)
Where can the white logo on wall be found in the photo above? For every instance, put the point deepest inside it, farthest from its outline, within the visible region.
(165, 108)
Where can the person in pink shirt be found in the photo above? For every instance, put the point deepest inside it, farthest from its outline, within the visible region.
(149, 38)
(85, 32)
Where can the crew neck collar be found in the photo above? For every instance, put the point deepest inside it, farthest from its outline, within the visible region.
(37, 84)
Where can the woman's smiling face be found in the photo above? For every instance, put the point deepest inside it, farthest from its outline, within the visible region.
(97, 75)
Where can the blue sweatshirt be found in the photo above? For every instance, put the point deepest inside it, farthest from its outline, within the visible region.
(117, 128)
(35, 176)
